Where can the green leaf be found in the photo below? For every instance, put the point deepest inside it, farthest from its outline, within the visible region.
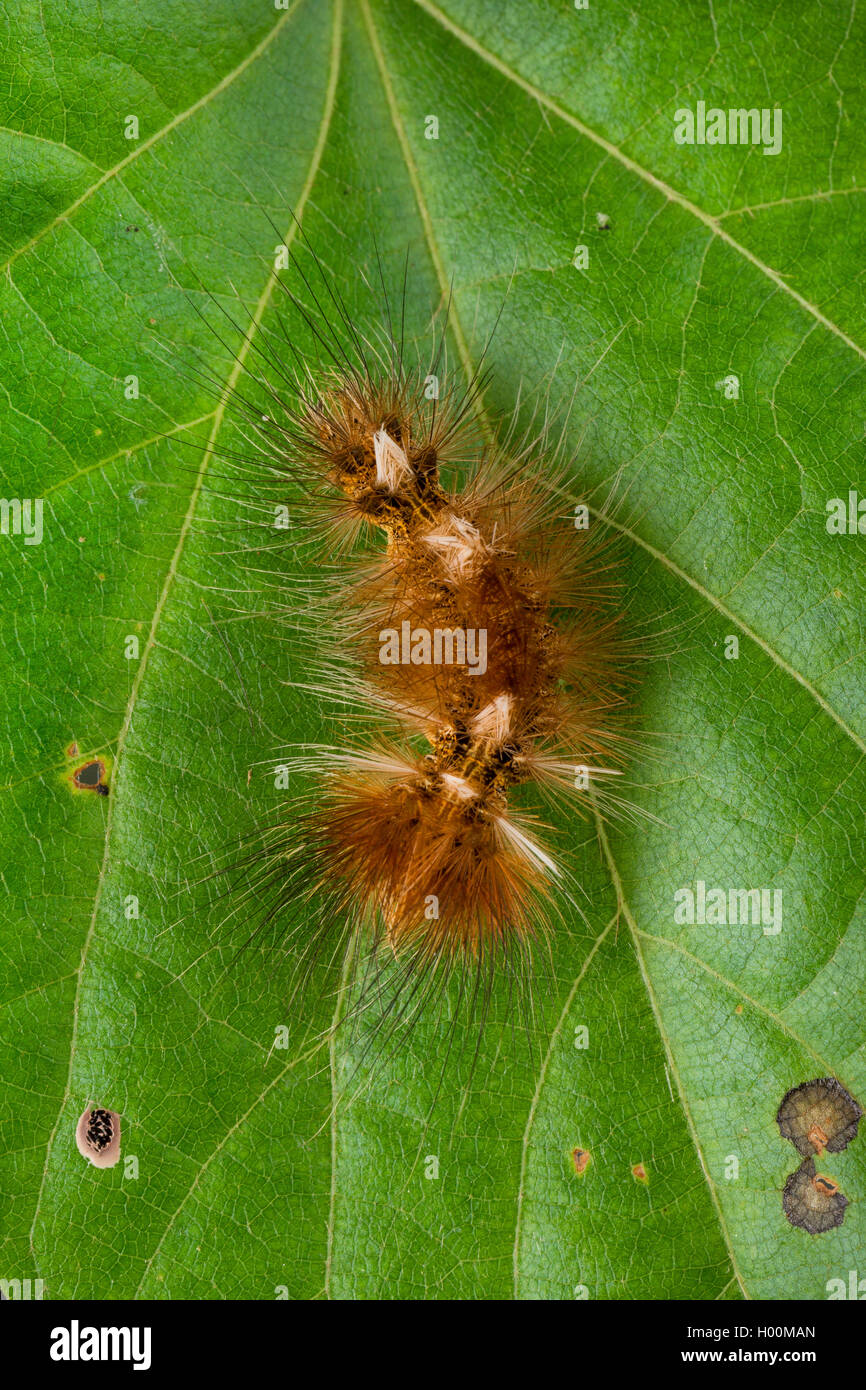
(431, 1178)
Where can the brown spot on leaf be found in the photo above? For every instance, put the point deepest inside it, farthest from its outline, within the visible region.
(738, 1009)
(639, 1172)
(72, 750)
(813, 1202)
(98, 1137)
(580, 1159)
(90, 776)
(819, 1115)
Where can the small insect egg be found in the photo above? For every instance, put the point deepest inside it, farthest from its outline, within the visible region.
(98, 1137)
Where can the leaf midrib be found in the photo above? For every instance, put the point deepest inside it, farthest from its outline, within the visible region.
(604, 844)
(542, 1077)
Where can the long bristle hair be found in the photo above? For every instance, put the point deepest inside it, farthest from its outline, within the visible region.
(471, 633)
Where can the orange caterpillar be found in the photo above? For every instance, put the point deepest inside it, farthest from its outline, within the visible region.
(485, 631)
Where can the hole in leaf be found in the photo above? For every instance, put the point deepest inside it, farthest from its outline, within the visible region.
(98, 1136)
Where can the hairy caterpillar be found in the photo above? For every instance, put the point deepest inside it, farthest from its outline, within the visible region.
(469, 622)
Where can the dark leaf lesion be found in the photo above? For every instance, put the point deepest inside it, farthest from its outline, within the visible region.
(816, 1116)
(812, 1201)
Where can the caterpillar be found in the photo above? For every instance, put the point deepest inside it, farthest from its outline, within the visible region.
(475, 632)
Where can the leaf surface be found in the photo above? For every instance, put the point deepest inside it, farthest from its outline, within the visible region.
(712, 262)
